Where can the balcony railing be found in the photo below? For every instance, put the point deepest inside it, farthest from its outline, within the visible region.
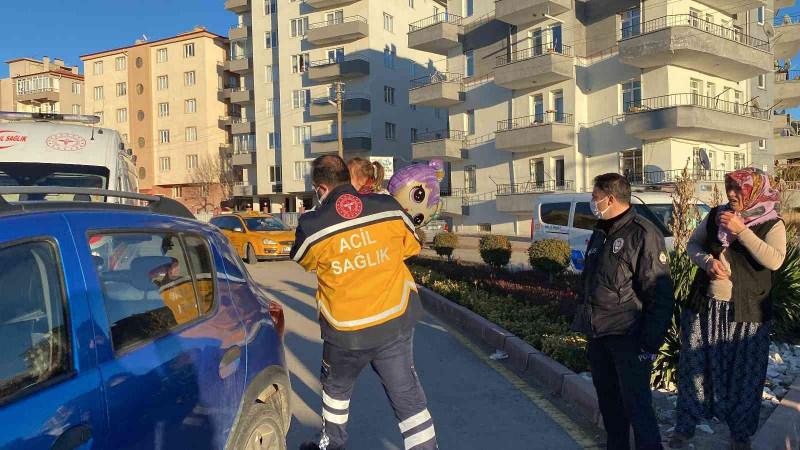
(327, 99)
(692, 99)
(38, 91)
(672, 176)
(244, 149)
(533, 52)
(662, 23)
(239, 57)
(546, 118)
(437, 77)
(536, 187)
(337, 60)
(333, 137)
(330, 22)
(438, 135)
(453, 192)
(239, 120)
(786, 19)
(787, 75)
(443, 17)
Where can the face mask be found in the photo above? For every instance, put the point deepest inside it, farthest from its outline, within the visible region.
(597, 213)
(317, 197)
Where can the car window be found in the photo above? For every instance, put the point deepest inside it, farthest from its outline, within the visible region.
(219, 222)
(265, 224)
(148, 285)
(583, 219)
(555, 213)
(33, 328)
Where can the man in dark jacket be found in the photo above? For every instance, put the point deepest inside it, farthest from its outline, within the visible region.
(628, 301)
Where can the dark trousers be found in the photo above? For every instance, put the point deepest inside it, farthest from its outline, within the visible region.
(394, 364)
(622, 382)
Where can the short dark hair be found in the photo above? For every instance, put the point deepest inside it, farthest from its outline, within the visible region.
(329, 170)
(615, 185)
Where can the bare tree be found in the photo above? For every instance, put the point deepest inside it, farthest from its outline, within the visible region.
(684, 211)
(212, 172)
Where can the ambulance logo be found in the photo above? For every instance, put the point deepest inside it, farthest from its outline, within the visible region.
(10, 138)
(66, 142)
(349, 206)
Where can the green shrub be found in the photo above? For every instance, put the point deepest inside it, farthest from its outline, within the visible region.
(569, 349)
(495, 250)
(421, 236)
(444, 243)
(550, 256)
(786, 293)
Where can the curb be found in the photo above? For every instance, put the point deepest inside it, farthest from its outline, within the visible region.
(782, 428)
(522, 357)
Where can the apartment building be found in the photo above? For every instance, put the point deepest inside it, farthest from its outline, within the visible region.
(786, 142)
(164, 97)
(48, 86)
(285, 60)
(544, 95)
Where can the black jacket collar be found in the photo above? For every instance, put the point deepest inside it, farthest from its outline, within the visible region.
(338, 191)
(616, 222)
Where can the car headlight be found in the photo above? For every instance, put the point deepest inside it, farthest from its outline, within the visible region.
(269, 242)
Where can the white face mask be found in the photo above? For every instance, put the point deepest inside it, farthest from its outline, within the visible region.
(596, 211)
(318, 198)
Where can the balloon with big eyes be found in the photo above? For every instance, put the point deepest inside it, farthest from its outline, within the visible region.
(416, 188)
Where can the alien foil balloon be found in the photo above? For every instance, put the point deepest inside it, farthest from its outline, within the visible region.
(416, 187)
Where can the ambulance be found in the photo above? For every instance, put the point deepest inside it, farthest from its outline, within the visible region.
(42, 149)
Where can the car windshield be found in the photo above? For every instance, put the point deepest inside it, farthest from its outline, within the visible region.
(265, 224)
(662, 212)
(60, 175)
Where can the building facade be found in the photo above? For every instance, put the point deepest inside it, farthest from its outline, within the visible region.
(47, 86)
(284, 63)
(544, 95)
(164, 97)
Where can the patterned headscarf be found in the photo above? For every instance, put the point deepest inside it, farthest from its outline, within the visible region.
(761, 201)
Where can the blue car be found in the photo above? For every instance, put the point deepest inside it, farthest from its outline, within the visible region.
(125, 327)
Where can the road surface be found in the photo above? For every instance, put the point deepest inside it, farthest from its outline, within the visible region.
(474, 405)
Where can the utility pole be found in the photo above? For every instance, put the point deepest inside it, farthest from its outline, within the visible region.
(339, 106)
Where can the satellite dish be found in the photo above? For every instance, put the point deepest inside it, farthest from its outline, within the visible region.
(705, 163)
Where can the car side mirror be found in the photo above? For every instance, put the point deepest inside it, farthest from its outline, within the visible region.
(238, 230)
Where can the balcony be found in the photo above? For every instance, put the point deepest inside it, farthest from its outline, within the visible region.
(786, 42)
(438, 90)
(39, 95)
(697, 117)
(536, 134)
(336, 31)
(241, 95)
(239, 64)
(521, 12)
(786, 147)
(534, 67)
(687, 41)
(244, 189)
(454, 206)
(787, 88)
(519, 198)
(226, 148)
(739, 6)
(237, 6)
(659, 177)
(436, 34)
(323, 4)
(327, 70)
(240, 125)
(240, 31)
(244, 157)
(226, 121)
(444, 144)
(352, 142)
(353, 105)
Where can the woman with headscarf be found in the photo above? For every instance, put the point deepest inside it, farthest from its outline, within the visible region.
(725, 326)
(366, 177)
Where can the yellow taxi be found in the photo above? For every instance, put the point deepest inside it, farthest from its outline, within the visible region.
(256, 235)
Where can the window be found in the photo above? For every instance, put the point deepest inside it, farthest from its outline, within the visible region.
(469, 119)
(189, 78)
(470, 179)
(122, 89)
(631, 23)
(162, 55)
(411, 4)
(270, 6)
(190, 106)
(122, 115)
(164, 164)
(335, 55)
(191, 134)
(173, 274)
(390, 130)
(271, 39)
(192, 161)
(739, 161)
(555, 213)
(76, 88)
(302, 135)
(302, 170)
(413, 135)
(125, 137)
(469, 63)
(272, 107)
(269, 74)
(177, 191)
(536, 171)
(163, 109)
(584, 219)
(97, 68)
(298, 27)
(762, 81)
(760, 15)
(36, 344)
(188, 50)
(335, 17)
(388, 95)
(389, 56)
(98, 93)
(469, 8)
(762, 144)
(121, 63)
(163, 136)
(76, 109)
(301, 98)
(99, 114)
(162, 82)
(388, 22)
(630, 164)
(275, 174)
(631, 95)
(274, 140)
(300, 63)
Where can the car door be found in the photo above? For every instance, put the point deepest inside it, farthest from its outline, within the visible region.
(554, 216)
(172, 360)
(50, 385)
(238, 235)
(583, 222)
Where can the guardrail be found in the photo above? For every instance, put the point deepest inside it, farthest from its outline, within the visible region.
(787, 75)
(337, 60)
(443, 17)
(692, 99)
(534, 52)
(536, 187)
(672, 176)
(330, 22)
(439, 135)
(549, 117)
(435, 78)
(677, 20)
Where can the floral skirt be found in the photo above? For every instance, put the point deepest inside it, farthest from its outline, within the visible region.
(721, 370)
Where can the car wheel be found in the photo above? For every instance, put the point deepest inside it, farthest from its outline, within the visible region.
(251, 255)
(261, 427)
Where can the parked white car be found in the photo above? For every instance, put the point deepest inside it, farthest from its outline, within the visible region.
(568, 217)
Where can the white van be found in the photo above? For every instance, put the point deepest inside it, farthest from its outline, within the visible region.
(39, 149)
(568, 217)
